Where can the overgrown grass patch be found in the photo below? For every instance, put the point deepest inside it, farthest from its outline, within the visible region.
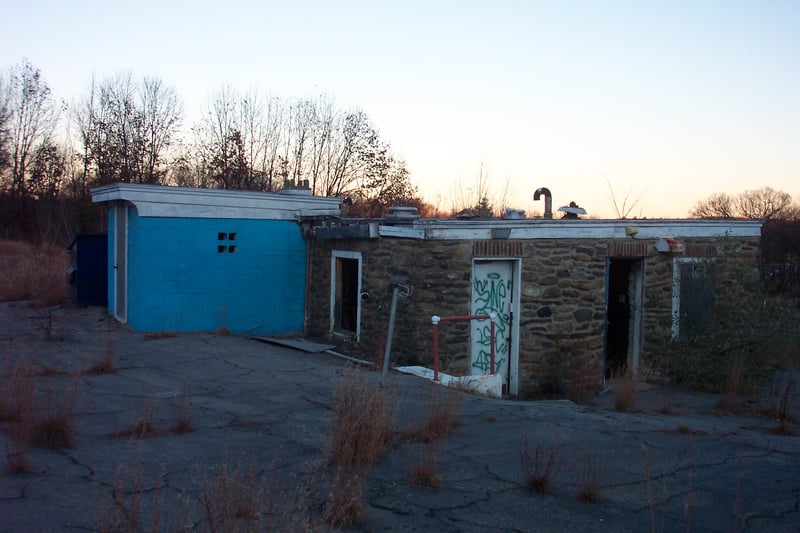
(35, 273)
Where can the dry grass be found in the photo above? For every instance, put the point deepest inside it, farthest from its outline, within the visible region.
(424, 472)
(540, 465)
(442, 416)
(141, 428)
(17, 391)
(343, 507)
(732, 400)
(53, 426)
(360, 436)
(363, 419)
(46, 421)
(128, 498)
(625, 394)
(235, 500)
(33, 273)
(183, 421)
(589, 480)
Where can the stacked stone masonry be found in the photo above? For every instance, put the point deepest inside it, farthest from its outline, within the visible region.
(562, 308)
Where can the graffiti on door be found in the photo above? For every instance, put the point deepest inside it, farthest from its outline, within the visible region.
(491, 294)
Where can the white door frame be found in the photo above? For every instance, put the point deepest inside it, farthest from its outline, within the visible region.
(345, 254)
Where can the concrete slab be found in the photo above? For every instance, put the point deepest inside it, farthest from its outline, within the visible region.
(269, 407)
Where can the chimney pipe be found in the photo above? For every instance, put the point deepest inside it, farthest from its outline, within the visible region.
(548, 201)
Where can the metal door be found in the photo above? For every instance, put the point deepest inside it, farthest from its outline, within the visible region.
(492, 292)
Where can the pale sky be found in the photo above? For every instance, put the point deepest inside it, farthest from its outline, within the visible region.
(671, 101)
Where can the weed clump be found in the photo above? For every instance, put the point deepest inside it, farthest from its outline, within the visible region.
(442, 417)
(589, 480)
(540, 465)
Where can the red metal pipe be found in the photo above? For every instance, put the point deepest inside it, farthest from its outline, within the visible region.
(491, 351)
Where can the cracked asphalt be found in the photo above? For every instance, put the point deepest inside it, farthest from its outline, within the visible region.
(269, 407)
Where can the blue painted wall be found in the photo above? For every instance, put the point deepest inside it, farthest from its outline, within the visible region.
(183, 277)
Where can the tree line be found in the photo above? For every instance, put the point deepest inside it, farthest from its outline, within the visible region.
(133, 130)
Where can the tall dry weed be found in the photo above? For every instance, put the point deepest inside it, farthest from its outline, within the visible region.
(362, 433)
(540, 464)
(363, 422)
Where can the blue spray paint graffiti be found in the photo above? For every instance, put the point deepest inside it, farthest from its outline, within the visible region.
(490, 295)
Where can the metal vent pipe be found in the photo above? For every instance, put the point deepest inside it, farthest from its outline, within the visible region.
(548, 201)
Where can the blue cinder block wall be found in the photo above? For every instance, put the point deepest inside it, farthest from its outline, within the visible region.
(199, 274)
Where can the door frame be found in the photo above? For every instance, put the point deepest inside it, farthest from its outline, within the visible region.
(345, 254)
(120, 310)
(516, 279)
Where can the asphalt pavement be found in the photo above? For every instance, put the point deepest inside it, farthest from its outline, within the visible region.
(267, 409)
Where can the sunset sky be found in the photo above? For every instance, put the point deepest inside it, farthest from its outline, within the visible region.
(668, 101)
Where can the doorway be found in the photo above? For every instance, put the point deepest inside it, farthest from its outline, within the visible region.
(624, 282)
(346, 293)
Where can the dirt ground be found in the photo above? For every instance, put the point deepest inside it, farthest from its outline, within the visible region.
(257, 420)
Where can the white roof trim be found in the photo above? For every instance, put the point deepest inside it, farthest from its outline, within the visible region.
(188, 202)
(404, 232)
(589, 229)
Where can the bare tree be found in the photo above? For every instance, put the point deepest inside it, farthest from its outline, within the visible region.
(792, 213)
(5, 124)
(763, 203)
(718, 205)
(220, 144)
(161, 114)
(32, 118)
(126, 127)
(47, 171)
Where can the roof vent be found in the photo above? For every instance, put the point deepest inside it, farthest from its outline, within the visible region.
(401, 215)
(514, 214)
(298, 188)
(572, 211)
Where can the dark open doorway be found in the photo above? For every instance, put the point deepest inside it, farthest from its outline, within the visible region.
(623, 319)
(346, 295)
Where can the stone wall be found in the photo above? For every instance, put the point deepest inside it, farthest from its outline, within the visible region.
(562, 302)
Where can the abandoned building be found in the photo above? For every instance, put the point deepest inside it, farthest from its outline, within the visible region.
(574, 298)
(185, 259)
